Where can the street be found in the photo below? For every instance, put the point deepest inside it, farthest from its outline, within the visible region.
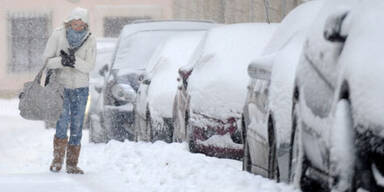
(26, 153)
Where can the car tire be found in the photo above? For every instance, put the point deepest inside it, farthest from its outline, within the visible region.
(247, 162)
(297, 166)
(148, 125)
(191, 144)
(273, 168)
(186, 124)
(190, 137)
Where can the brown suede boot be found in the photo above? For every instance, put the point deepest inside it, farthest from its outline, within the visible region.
(59, 146)
(72, 159)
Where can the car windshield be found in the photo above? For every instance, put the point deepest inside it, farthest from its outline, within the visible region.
(135, 51)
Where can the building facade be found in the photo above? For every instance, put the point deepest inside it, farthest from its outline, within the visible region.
(234, 11)
(26, 25)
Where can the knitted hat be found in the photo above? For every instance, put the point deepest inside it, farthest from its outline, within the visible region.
(78, 13)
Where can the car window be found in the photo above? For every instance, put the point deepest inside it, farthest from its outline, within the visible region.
(136, 50)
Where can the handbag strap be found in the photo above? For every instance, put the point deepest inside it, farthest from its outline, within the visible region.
(38, 76)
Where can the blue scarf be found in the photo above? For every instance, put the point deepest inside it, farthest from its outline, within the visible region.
(75, 38)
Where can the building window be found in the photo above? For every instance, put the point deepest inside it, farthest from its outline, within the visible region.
(113, 25)
(28, 34)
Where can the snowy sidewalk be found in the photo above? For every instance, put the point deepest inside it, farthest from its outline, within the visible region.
(26, 152)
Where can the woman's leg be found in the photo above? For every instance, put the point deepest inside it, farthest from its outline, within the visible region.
(78, 103)
(60, 138)
(63, 122)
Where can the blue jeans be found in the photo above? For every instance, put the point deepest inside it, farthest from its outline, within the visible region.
(75, 101)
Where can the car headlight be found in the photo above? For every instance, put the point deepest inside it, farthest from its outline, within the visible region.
(123, 92)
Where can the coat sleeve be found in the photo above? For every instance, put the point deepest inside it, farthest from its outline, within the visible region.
(86, 65)
(49, 55)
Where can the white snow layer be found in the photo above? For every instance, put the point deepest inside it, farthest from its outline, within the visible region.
(286, 44)
(26, 153)
(218, 82)
(297, 20)
(364, 70)
(174, 53)
(222, 141)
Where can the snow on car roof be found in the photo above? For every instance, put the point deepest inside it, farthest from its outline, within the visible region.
(164, 25)
(298, 19)
(218, 82)
(174, 53)
(138, 41)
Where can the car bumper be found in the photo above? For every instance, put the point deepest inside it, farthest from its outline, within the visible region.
(220, 152)
(217, 138)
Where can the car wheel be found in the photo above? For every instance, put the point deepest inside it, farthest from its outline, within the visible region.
(191, 146)
(342, 153)
(186, 124)
(247, 162)
(273, 167)
(297, 165)
(148, 125)
(190, 136)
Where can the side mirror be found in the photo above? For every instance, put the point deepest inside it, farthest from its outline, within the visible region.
(256, 71)
(185, 73)
(103, 70)
(333, 27)
(141, 77)
(261, 68)
(146, 81)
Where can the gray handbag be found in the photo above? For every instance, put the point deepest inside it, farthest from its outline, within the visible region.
(39, 102)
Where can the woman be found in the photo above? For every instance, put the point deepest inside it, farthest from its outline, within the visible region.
(70, 52)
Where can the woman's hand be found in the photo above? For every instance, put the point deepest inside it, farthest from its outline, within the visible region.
(68, 60)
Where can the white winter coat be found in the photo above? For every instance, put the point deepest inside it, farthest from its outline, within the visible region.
(85, 59)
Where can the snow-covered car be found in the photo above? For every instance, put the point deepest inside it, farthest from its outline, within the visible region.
(157, 90)
(266, 121)
(338, 100)
(136, 44)
(217, 88)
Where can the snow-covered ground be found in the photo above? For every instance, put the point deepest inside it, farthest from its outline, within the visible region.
(26, 152)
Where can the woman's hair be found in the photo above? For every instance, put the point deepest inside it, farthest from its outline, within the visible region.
(68, 24)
